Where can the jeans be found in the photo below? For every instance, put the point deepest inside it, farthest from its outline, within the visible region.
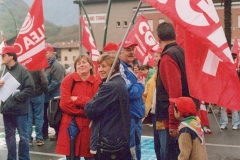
(172, 150)
(135, 138)
(36, 110)
(224, 118)
(157, 145)
(162, 139)
(11, 122)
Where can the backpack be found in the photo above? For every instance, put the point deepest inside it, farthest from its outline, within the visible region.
(54, 112)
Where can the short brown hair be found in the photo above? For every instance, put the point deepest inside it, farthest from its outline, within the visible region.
(109, 59)
(87, 57)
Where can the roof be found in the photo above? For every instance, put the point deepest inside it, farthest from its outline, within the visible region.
(65, 45)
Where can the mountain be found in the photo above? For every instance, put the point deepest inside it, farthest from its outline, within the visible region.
(59, 12)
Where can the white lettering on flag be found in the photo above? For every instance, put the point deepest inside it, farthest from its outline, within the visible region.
(163, 1)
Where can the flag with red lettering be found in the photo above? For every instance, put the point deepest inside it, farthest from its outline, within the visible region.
(89, 43)
(30, 42)
(235, 50)
(142, 35)
(211, 72)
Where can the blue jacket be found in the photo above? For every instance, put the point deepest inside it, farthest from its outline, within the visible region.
(135, 91)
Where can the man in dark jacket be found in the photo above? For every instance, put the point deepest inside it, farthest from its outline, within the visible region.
(37, 106)
(171, 83)
(55, 73)
(15, 109)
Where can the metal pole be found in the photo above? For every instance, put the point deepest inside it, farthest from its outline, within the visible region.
(80, 31)
(12, 16)
(126, 34)
(106, 22)
(210, 106)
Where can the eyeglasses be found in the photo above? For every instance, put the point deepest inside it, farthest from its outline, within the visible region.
(4, 55)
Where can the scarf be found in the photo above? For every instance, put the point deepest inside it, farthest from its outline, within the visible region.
(194, 124)
(50, 61)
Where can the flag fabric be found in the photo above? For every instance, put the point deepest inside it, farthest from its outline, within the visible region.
(210, 69)
(141, 34)
(89, 43)
(235, 50)
(202, 114)
(30, 42)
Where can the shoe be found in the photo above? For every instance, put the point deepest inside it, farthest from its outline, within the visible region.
(235, 128)
(30, 142)
(53, 138)
(210, 110)
(45, 137)
(223, 127)
(40, 142)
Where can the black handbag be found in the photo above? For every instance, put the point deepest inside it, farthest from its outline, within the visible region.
(54, 112)
(121, 149)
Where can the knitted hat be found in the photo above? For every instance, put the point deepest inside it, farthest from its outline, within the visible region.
(8, 49)
(49, 48)
(110, 47)
(185, 106)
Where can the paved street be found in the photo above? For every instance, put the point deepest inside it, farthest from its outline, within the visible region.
(220, 146)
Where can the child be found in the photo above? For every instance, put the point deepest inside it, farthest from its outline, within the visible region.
(190, 139)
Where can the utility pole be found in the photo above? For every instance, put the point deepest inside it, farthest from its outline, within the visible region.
(80, 27)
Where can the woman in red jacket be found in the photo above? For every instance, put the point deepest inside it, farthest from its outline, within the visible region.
(72, 103)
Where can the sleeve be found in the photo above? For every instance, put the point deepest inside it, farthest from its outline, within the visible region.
(171, 78)
(135, 90)
(103, 99)
(27, 87)
(56, 76)
(185, 146)
(67, 104)
(44, 81)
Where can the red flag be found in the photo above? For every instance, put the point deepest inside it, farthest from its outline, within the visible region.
(235, 50)
(89, 43)
(30, 42)
(211, 72)
(142, 35)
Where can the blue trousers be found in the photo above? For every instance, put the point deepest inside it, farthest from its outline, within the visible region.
(135, 138)
(36, 111)
(11, 123)
(224, 118)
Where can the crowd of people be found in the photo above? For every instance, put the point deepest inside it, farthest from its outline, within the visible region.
(107, 109)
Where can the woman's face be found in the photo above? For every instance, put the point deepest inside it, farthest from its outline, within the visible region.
(144, 72)
(83, 66)
(104, 69)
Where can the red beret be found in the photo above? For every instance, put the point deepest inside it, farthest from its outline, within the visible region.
(185, 106)
(49, 48)
(8, 49)
(127, 44)
(110, 47)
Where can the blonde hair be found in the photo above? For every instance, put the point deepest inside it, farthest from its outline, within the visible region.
(109, 59)
(87, 57)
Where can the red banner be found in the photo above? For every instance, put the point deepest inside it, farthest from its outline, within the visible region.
(211, 72)
(30, 42)
(235, 49)
(142, 35)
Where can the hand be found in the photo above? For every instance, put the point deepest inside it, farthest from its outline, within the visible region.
(173, 132)
(74, 98)
(1, 83)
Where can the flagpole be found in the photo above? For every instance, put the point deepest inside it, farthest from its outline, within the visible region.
(210, 106)
(106, 22)
(125, 37)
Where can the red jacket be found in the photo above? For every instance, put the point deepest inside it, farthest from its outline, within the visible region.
(84, 90)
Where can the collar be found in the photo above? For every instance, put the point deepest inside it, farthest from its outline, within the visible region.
(12, 67)
(168, 46)
(114, 74)
(77, 78)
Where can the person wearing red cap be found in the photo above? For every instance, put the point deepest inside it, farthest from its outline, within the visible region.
(55, 73)
(16, 108)
(171, 83)
(110, 48)
(191, 138)
(135, 90)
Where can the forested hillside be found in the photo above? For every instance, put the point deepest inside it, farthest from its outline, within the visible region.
(19, 10)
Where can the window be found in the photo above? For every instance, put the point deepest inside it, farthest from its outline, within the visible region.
(69, 49)
(160, 21)
(150, 22)
(65, 58)
(74, 57)
(238, 21)
(125, 24)
(118, 24)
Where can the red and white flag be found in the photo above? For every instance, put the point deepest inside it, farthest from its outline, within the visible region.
(235, 49)
(30, 42)
(211, 72)
(141, 34)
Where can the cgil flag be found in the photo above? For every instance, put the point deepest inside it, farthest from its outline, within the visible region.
(141, 34)
(30, 42)
(211, 72)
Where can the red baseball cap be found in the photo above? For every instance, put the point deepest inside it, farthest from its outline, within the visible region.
(185, 106)
(49, 48)
(8, 49)
(127, 44)
(110, 47)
